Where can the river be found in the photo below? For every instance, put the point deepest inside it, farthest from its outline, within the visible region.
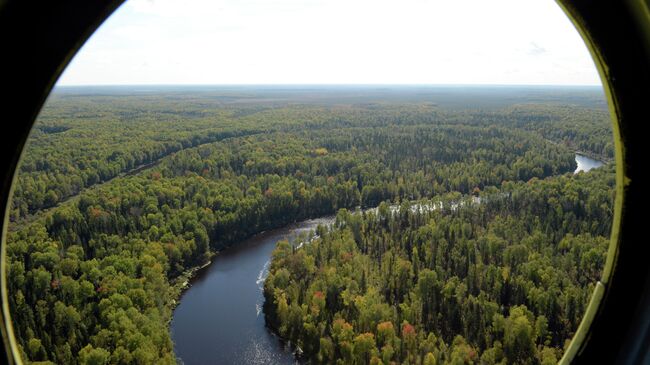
(586, 163)
(219, 319)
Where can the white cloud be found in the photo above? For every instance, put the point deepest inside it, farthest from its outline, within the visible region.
(334, 41)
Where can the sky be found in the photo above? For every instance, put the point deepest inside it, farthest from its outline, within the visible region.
(502, 42)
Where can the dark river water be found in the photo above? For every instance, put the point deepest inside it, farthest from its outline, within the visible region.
(219, 319)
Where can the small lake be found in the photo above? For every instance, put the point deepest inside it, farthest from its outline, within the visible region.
(219, 319)
(586, 163)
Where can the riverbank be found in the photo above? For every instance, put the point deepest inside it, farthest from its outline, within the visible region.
(605, 160)
(593, 156)
(183, 282)
(219, 318)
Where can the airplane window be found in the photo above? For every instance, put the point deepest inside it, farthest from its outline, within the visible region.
(316, 182)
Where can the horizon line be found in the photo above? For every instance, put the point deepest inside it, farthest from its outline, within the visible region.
(326, 85)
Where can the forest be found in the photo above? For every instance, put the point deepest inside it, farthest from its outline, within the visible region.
(120, 194)
(500, 278)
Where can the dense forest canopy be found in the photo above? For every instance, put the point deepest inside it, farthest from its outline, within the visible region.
(114, 131)
(99, 244)
(502, 278)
